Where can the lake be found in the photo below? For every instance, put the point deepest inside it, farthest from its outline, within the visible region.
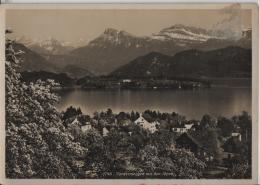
(216, 101)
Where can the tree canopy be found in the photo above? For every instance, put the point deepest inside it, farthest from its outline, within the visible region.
(37, 144)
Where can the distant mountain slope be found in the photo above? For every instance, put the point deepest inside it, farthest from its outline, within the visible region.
(76, 72)
(226, 62)
(32, 61)
(152, 64)
(49, 46)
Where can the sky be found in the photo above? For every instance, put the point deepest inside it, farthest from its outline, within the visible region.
(73, 25)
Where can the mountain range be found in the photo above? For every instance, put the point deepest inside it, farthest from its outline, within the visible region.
(50, 46)
(226, 62)
(34, 62)
(114, 48)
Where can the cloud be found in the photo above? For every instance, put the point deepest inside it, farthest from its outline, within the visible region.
(231, 26)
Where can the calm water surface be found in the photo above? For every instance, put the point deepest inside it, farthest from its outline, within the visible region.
(217, 101)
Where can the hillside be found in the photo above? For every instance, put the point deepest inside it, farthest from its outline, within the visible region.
(32, 61)
(76, 72)
(49, 46)
(226, 62)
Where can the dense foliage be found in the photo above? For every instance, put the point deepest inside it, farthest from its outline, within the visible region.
(63, 79)
(37, 143)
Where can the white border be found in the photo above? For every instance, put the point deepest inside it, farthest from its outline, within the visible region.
(140, 5)
(127, 1)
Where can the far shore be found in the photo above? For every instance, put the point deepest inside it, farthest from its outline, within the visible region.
(182, 85)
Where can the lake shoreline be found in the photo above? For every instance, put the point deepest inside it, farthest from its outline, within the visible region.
(213, 83)
(216, 101)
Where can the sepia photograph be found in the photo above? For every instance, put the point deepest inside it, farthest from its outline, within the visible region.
(130, 93)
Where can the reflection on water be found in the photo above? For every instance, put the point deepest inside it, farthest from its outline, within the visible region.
(190, 103)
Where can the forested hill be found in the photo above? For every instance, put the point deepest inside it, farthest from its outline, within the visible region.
(63, 79)
(226, 62)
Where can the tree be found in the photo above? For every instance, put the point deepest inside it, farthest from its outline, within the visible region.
(239, 171)
(210, 139)
(244, 121)
(149, 159)
(83, 119)
(93, 140)
(112, 140)
(134, 116)
(186, 165)
(226, 126)
(122, 116)
(208, 121)
(162, 140)
(37, 144)
(213, 144)
(71, 112)
(109, 112)
(179, 163)
(139, 137)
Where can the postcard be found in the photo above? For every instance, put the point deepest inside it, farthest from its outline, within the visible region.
(129, 93)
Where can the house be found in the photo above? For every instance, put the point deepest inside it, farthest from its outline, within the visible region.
(85, 128)
(152, 127)
(126, 80)
(75, 122)
(236, 135)
(105, 132)
(188, 142)
(188, 126)
(179, 129)
(182, 128)
(141, 121)
(247, 33)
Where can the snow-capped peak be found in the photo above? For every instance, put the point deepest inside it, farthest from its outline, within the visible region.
(25, 40)
(46, 46)
(184, 33)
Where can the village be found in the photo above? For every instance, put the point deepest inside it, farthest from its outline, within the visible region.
(218, 143)
(107, 82)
